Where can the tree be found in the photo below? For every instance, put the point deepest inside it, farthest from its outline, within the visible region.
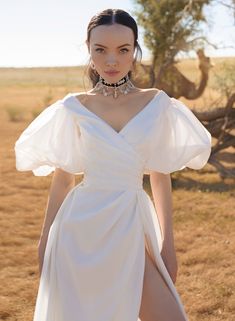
(170, 27)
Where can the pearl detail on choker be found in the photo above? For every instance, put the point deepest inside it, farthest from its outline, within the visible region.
(123, 86)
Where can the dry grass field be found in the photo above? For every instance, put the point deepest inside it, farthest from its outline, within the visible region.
(204, 205)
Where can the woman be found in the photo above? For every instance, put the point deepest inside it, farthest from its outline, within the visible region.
(105, 253)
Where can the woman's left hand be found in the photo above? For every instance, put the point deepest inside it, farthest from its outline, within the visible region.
(168, 255)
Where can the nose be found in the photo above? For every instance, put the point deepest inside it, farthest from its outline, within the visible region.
(111, 61)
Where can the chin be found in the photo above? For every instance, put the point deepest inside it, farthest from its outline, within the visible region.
(113, 78)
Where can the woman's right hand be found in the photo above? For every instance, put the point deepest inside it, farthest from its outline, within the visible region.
(41, 252)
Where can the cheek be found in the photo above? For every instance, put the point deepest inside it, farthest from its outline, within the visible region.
(96, 57)
(129, 59)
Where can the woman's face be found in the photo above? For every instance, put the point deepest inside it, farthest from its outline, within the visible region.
(112, 51)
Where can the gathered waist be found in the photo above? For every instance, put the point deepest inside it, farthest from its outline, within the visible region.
(113, 182)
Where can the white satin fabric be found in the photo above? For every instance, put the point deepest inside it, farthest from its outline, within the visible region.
(94, 260)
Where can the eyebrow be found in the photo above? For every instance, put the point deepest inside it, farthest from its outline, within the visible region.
(97, 44)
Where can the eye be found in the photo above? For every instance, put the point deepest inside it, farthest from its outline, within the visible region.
(99, 49)
(125, 50)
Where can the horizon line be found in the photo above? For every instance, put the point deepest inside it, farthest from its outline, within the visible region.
(83, 65)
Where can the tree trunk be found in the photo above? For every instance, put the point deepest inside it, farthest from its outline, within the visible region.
(221, 124)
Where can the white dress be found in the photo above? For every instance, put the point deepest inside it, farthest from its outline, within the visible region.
(94, 259)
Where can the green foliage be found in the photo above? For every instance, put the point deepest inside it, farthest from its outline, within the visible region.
(170, 26)
(224, 79)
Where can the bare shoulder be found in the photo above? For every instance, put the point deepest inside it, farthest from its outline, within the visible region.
(82, 96)
(148, 93)
(143, 95)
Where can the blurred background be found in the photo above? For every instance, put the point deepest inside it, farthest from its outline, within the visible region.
(189, 52)
(52, 33)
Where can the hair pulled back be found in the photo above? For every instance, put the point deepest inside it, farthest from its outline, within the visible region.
(109, 17)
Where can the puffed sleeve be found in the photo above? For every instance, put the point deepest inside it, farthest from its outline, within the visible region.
(180, 140)
(51, 140)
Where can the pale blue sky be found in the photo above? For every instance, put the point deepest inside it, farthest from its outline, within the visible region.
(53, 32)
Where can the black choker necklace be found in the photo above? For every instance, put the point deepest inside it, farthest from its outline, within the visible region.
(116, 84)
(123, 86)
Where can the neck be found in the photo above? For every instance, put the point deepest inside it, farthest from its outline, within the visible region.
(116, 84)
(123, 86)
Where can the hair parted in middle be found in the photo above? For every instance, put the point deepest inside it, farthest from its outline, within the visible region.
(109, 17)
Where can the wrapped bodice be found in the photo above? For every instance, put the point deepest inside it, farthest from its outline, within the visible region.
(111, 168)
(164, 136)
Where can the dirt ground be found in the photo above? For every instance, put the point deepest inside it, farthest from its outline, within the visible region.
(203, 217)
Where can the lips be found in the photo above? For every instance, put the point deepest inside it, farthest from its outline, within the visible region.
(112, 72)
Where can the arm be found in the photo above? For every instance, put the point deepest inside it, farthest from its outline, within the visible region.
(62, 183)
(162, 195)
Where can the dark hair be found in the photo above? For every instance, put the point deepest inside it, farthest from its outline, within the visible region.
(109, 17)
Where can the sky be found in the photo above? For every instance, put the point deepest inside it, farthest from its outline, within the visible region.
(47, 33)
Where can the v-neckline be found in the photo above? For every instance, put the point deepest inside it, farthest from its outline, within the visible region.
(132, 119)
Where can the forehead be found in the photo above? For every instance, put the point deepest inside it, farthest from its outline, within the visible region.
(115, 34)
